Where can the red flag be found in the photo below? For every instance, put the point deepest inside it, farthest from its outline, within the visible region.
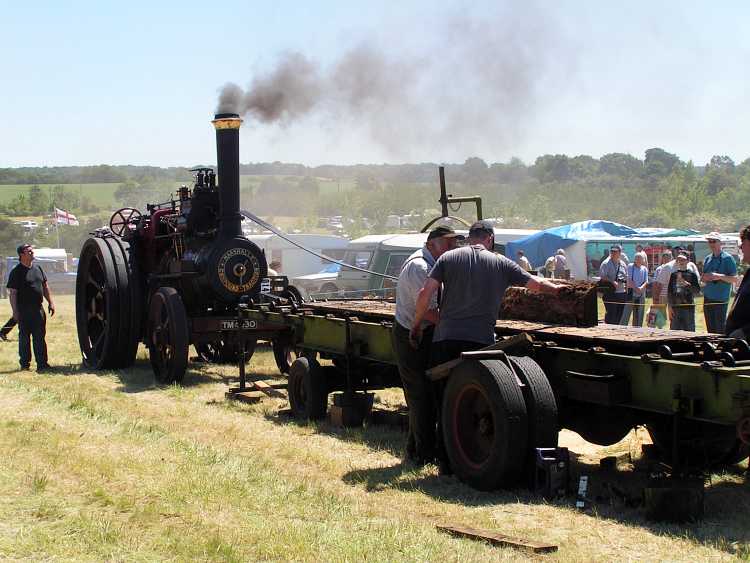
(65, 218)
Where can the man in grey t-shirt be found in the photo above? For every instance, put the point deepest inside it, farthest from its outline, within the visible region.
(474, 281)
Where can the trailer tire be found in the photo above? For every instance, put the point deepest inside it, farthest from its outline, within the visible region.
(541, 405)
(307, 389)
(485, 425)
(704, 446)
(284, 352)
(224, 351)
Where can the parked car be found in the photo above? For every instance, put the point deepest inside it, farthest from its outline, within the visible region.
(324, 283)
(27, 225)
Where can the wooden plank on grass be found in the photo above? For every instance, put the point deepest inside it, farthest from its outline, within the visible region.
(497, 539)
(268, 389)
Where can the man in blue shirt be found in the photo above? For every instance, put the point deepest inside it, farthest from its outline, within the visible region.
(719, 274)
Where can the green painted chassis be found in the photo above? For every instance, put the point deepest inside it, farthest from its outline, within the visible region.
(638, 387)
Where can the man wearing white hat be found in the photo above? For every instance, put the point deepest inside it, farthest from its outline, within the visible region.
(719, 274)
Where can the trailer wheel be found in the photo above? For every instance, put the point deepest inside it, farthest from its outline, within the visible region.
(167, 335)
(224, 351)
(284, 352)
(307, 389)
(485, 424)
(702, 445)
(541, 405)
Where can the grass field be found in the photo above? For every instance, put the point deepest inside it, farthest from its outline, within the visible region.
(100, 194)
(109, 466)
(103, 194)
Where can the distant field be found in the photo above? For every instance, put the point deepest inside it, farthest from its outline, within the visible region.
(102, 194)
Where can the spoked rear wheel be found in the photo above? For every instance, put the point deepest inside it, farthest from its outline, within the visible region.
(107, 288)
(167, 335)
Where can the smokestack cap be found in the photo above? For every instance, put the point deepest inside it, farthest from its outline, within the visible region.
(227, 121)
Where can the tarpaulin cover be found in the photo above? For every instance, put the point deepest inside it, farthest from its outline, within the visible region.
(539, 246)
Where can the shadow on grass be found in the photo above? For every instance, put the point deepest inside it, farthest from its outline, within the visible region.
(376, 437)
(140, 377)
(614, 495)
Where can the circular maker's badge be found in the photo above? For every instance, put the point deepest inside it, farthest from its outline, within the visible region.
(238, 270)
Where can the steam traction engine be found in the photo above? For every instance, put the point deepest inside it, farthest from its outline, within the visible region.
(173, 276)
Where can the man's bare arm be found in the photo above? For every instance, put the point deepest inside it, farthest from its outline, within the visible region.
(13, 297)
(48, 297)
(423, 301)
(542, 285)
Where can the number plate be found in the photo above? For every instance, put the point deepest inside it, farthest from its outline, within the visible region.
(234, 324)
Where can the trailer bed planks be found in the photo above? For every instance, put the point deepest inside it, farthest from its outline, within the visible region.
(615, 334)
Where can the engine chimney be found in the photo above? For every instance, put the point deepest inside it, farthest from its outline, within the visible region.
(228, 167)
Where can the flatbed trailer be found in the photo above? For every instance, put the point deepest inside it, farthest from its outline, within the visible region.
(691, 391)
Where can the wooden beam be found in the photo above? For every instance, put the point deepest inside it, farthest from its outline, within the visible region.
(497, 539)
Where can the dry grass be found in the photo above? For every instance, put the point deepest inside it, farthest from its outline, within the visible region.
(109, 466)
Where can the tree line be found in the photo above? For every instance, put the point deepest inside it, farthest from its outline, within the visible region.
(659, 189)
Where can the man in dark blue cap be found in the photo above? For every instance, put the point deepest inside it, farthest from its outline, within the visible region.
(474, 280)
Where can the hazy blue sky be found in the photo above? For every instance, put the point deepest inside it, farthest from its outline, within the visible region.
(137, 82)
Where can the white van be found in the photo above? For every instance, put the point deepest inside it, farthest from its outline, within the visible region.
(295, 261)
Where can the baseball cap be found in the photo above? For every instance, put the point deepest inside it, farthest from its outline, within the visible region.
(483, 226)
(22, 247)
(443, 231)
(713, 235)
(616, 247)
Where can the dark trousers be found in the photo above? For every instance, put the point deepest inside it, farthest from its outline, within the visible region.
(32, 325)
(683, 318)
(715, 313)
(637, 308)
(614, 303)
(7, 327)
(418, 391)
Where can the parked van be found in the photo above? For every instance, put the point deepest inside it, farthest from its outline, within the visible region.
(295, 261)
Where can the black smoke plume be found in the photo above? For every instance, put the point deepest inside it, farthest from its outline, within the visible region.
(477, 88)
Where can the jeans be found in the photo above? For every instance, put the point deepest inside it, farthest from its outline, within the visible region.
(683, 318)
(637, 307)
(419, 392)
(613, 305)
(715, 313)
(32, 325)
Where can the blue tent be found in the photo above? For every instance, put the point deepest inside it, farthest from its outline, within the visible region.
(539, 246)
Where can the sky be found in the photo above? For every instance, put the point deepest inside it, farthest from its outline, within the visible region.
(138, 82)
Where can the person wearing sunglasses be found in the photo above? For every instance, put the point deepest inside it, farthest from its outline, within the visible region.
(27, 287)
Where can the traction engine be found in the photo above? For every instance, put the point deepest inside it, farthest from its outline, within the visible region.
(174, 275)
